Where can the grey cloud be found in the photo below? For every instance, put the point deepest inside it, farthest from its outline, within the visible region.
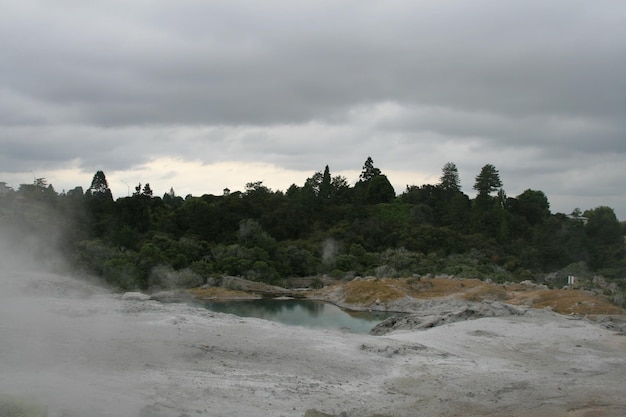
(277, 63)
(534, 87)
(24, 148)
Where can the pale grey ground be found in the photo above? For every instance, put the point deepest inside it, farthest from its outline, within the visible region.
(85, 352)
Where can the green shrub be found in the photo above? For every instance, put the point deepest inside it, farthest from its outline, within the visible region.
(122, 273)
(317, 283)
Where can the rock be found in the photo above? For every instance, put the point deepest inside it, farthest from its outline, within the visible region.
(613, 322)
(389, 351)
(213, 281)
(444, 313)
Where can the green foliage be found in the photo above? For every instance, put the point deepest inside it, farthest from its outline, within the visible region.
(317, 283)
(99, 188)
(532, 205)
(379, 190)
(126, 238)
(603, 227)
(91, 255)
(450, 182)
(252, 235)
(487, 181)
(202, 268)
(346, 262)
(369, 170)
(296, 260)
(401, 262)
(123, 274)
(395, 212)
(325, 186)
(324, 226)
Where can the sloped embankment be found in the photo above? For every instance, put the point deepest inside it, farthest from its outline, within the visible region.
(432, 302)
(411, 294)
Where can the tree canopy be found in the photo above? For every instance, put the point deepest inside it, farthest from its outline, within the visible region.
(100, 187)
(369, 170)
(324, 226)
(487, 181)
(450, 180)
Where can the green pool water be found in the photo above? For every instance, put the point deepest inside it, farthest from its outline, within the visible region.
(305, 313)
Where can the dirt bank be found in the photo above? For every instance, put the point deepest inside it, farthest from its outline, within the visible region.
(410, 294)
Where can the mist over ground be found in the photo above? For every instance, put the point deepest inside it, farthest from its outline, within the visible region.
(80, 351)
(47, 329)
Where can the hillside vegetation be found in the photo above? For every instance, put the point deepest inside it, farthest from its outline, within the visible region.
(324, 227)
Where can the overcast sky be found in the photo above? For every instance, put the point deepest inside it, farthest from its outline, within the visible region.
(203, 95)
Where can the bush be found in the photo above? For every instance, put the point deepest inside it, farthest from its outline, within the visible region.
(123, 274)
(385, 271)
(619, 299)
(346, 262)
(317, 283)
(91, 255)
(337, 273)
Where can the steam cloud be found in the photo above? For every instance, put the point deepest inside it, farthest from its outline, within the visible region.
(56, 333)
(329, 251)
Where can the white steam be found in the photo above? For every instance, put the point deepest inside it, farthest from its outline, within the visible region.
(57, 334)
(330, 248)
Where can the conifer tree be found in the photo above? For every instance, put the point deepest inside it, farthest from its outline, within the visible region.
(369, 170)
(449, 180)
(325, 186)
(100, 187)
(487, 181)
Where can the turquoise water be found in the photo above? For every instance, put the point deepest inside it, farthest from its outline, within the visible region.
(301, 313)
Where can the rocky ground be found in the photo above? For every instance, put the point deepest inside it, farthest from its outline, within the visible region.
(82, 351)
(412, 294)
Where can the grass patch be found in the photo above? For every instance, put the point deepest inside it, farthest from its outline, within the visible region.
(567, 302)
(486, 292)
(444, 287)
(366, 292)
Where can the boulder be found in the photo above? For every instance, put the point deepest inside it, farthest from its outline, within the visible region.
(444, 313)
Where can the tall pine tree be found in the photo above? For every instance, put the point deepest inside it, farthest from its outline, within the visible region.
(449, 180)
(100, 187)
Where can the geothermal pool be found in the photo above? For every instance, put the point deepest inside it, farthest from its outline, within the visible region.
(305, 313)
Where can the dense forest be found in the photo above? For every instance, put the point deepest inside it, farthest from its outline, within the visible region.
(324, 226)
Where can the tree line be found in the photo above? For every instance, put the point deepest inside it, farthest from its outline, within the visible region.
(324, 226)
